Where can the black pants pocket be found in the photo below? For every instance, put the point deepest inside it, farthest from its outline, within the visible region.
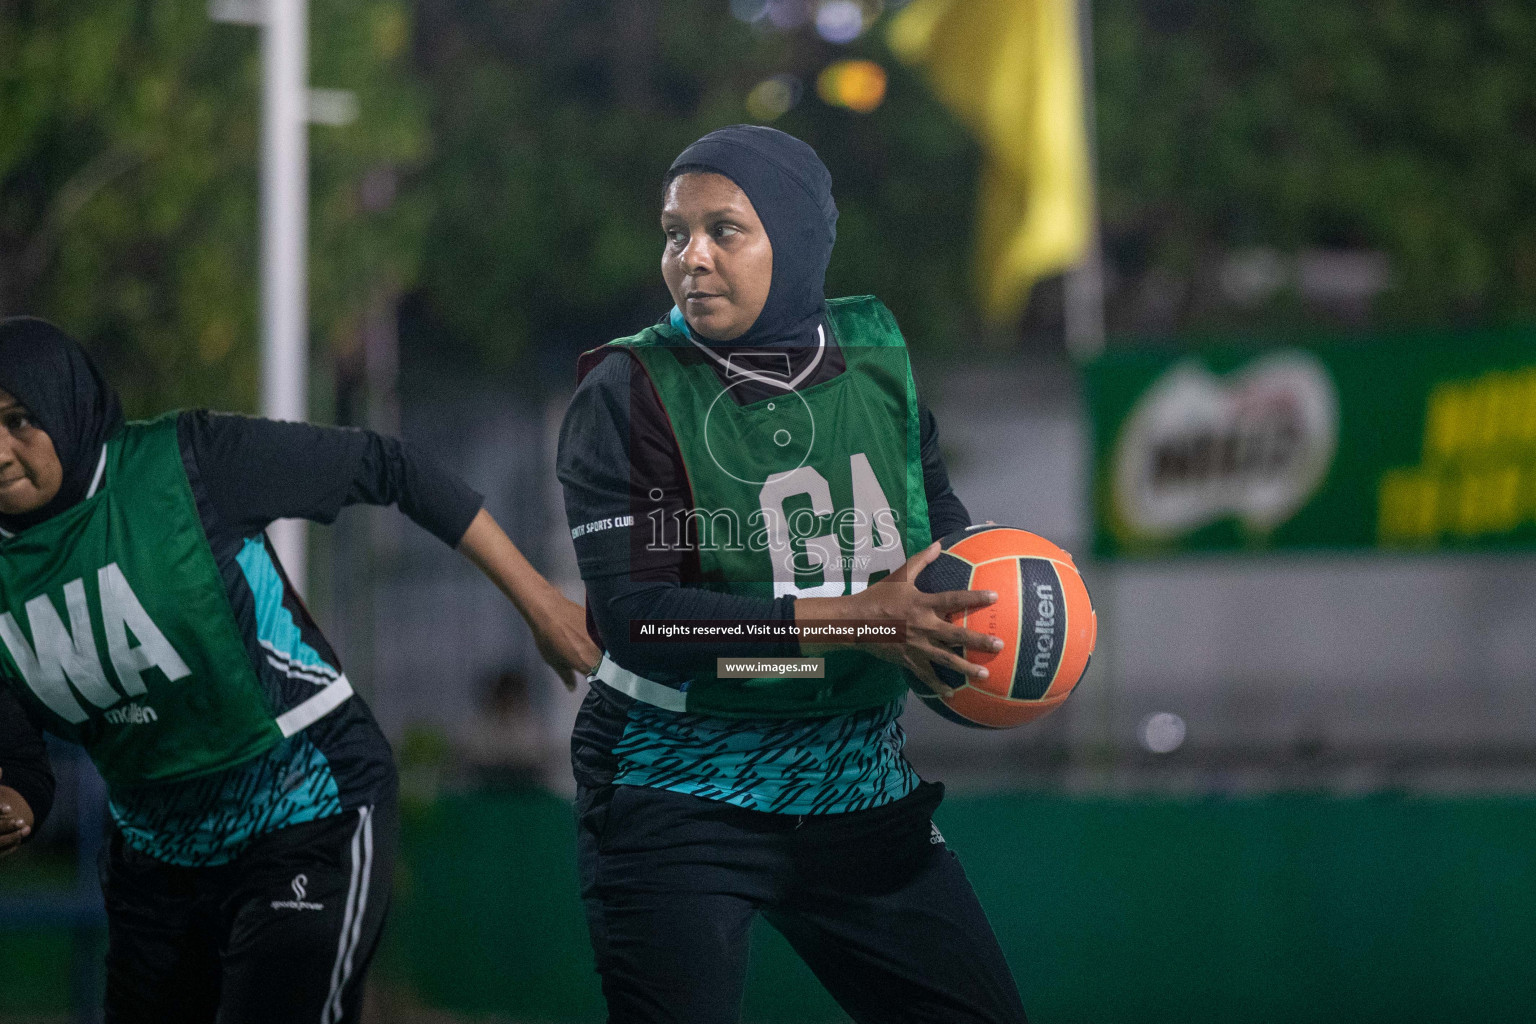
(873, 851)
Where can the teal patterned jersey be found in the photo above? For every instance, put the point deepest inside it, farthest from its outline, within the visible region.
(210, 820)
(785, 766)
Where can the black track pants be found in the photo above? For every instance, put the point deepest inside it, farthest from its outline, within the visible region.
(873, 901)
(282, 934)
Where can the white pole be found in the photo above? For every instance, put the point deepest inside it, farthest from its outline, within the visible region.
(284, 241)
(1083, 305)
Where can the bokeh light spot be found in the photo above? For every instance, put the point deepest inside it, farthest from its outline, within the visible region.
(749, 10)
(1162, 732)
(774, 97)
(840, 21)
(858, 85)
(788, 14)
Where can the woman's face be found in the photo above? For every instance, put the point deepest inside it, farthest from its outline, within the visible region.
(30, 472)
(718, 262)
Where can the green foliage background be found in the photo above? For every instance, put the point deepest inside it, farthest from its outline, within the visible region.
(554, 122)
(129, 134)
(1402, 126)
(503, 178)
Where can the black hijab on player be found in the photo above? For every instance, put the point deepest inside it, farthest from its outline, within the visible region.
(48, 372)
(791, 190)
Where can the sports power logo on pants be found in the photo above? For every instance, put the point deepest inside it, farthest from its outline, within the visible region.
(299, 885)
(1044, 634)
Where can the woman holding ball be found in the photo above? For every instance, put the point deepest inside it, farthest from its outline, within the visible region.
(761, 455)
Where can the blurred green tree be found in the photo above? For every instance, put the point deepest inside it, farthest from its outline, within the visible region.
(1405, 127)
(553, 122)
(505, 171)
(129, 197)
(1401, 128)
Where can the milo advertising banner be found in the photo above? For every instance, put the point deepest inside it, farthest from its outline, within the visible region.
(1397, 444)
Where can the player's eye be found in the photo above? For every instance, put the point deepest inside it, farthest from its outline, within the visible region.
(17, 422)
(676, 236)
(726, 230)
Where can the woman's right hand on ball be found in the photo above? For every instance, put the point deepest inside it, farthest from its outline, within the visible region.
(931, 638)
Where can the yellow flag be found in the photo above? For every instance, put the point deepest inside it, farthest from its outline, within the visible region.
(1012, 71)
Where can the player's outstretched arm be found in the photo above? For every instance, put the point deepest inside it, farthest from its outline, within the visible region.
(15, 819)
(559, 625)
(256, 470)
(931, 637)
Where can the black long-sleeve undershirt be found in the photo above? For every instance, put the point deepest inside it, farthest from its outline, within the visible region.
(618, 457)
(24, 764)
(255, 471)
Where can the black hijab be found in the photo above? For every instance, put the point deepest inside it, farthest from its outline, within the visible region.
(48, 372)
(791, 190)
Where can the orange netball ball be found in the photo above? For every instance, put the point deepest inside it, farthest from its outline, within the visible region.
(1042, 615)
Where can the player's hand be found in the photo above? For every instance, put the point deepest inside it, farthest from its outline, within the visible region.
(931, 638)
(559, 625)
(15, 821)
(560, 631)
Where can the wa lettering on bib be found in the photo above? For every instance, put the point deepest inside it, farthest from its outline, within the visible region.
(65, 655)
(116, 629)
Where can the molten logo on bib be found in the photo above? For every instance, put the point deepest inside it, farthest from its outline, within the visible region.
(132, 714)
(1044, 631)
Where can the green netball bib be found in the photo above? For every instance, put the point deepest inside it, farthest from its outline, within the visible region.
(814, 492)
(116, 630)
